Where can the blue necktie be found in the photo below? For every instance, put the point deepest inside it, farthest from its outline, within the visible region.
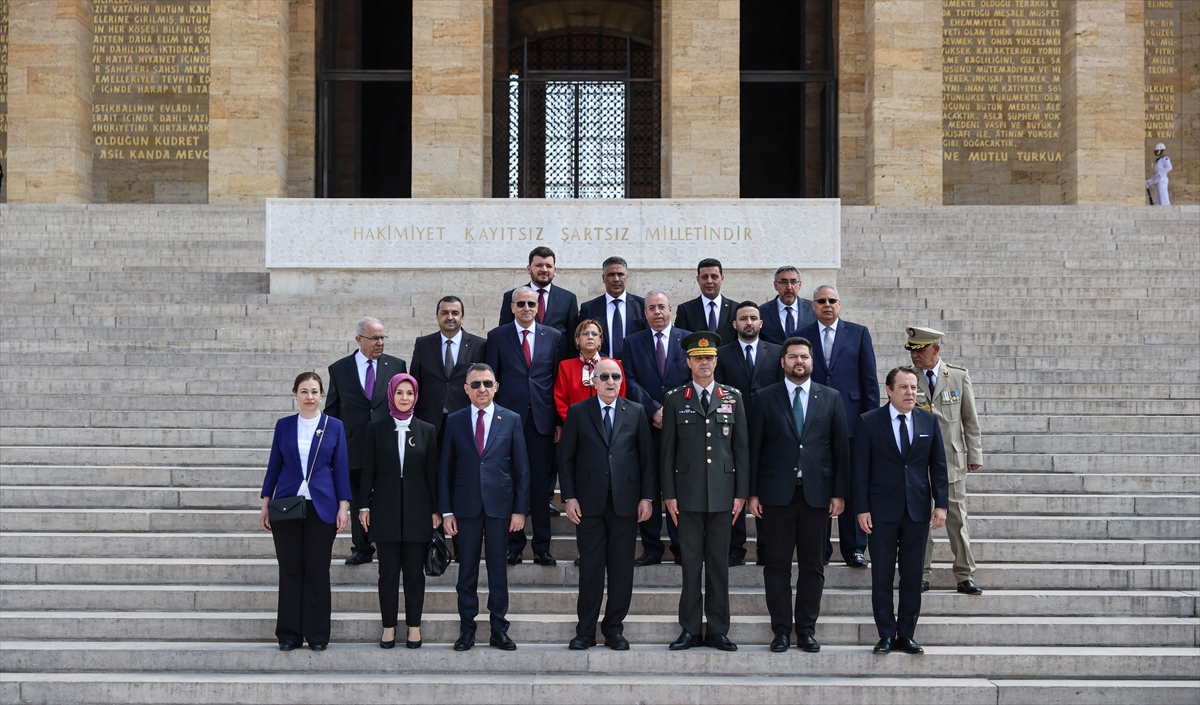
(608, 425)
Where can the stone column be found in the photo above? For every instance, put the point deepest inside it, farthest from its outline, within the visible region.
(248, 101)
(1103, 112)
(852, 75)
(701, 99)
(904, 102)
(302, 98)
(49, 101)
(452, 99)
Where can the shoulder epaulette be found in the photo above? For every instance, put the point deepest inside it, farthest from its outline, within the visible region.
(956, 367)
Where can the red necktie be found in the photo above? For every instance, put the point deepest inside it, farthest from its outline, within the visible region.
(479, 432)
(541, 314)
(525, 347)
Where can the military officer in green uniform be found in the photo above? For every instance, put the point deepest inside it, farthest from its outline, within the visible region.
(705, 481)
(945, 389)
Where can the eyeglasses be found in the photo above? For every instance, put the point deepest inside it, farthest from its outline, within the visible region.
(605, 376)
(525, 304)
(377, 339)
(788, 282)
(590, 334)
(825, 301)
(486, 383)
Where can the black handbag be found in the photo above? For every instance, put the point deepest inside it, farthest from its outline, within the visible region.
(439, 556)
(289, 508)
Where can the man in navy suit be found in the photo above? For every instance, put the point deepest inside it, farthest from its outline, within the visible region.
(709, 311)
(844, 359)
(787, 313)
(620, 313)
(557, 307)
(524, 355)
(655, 363)
(483, 483)
(899, 470)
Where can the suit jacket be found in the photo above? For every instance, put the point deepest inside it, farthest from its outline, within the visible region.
(569, 388)
(330, 481)
(526, 389)
(438, 392)
(953, 403)
(888, 485)
(732, 370)
(777, 451)
(639, 359)
(590, 466)
(346, 401)
(562, 314)
(496, 482)
(772, 329)
(693, 316)
(700, 479)
(850, 370)
(402, 500)
(634, 313)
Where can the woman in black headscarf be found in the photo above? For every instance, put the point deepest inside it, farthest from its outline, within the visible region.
(399, 487)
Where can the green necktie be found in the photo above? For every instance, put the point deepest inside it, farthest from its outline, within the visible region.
(798, 413)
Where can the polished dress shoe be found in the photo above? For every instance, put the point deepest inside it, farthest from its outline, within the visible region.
(644, 560)
(581, 642)
(501, 641)
(808, 642)
(924, 586)
(387, 644)
(575, 562)
(857, 561)
(555, 511)
(465, 641)
(617, 642)
(317, 647)
(884, 646)
(780, 643)
(968, 587)
(734, 561)
(357, 558)
(759, 561)
(720, 641)
(677, 560)
(410, 644)
(544, 558)
(908, 646)
(286, 646)
(513, 558)
(686, 640)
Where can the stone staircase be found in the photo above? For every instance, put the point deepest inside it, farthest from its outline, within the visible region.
(143, 363)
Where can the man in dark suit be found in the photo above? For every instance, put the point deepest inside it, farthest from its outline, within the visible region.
(525, 355)
(748, 364)
(557, 307)
(709, 311)
(787, 313)
(609, 483)
(483, 482)
(440, 361)
(801, 458)
(357, 396)
(843, 358)
(619, 312)
(899, 471)
(655, 363)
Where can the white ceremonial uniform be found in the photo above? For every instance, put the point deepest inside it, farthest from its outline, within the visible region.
(1158, 182)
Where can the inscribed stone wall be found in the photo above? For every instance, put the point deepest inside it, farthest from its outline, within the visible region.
(1001, 102)
(150, 109)
(1172, 34)
(3, 93)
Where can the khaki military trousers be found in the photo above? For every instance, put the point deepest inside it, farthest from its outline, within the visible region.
(959, 533)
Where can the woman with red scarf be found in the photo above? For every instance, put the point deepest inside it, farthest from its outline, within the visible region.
(574, 383)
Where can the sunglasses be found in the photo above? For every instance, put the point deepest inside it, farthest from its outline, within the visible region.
(605, 376)
(486, 383)
(826, 301)
(525, 304)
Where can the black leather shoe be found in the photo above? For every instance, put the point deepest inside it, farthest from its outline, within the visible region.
(968, 587)
(734, 561)
(502, 642)
(884, 646)
(908, 646)
(544, 558)
(286, 646)
(575, 562)
(780, 643)
(759, 561)
(387, 644)
(644, 560)
(357, 558)
(513, 558)
(677, 560)
(465, 641)
(581, 642)
(807, 642)
(412, 644)
(686, 640)
(720, 641)
(858, 561)
(317, 647)
(555, 511)
(616, 642)
(924, 586)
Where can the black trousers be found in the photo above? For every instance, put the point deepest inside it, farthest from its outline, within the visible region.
(360, 538)
(738, 538)
(541, 455)
(799, 528)
(704, 539)
(409, 556)
(850, 537)
(304, 548)
(606, 543)
(473, 535)
(651, 529)
(891, 542)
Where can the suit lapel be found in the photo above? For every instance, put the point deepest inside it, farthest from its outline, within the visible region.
(839, 340)
(515, 338)
(785, 410)
(383, 375)
(593, 412)
(394, 446)
(314, 446)
(885, 421)
(290, 447)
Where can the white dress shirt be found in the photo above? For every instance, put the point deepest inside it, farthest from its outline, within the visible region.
(908, 421)
(753, 350)
(362, 360)
(488, 413)
(705, 301)
(783, 309)
(804, 390)
(306, 430)
(521, 338)
(402, 438)
(455, 347)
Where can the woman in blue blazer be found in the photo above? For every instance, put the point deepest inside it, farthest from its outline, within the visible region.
(308, 458)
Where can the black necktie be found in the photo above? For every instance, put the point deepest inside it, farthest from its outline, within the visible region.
(608, 422)
(790, 325)
(616, 330)
(449, 361)
(929, 376)
(905, 443)
(704, 400)
(750, 360)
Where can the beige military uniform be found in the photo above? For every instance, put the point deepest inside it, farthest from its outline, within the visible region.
(953, 402)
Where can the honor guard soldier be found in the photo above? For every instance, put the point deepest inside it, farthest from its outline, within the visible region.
(945, 389)
(1157, 184)
(705, 472)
